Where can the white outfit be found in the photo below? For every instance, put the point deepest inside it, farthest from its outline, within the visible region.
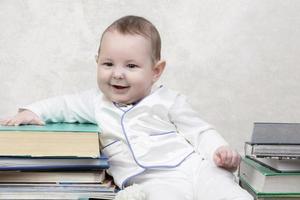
(157, 136)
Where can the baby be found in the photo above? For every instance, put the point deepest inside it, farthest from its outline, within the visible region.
(151, 135)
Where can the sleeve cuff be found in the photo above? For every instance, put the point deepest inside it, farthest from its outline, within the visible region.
(210, 141)
(32, 109)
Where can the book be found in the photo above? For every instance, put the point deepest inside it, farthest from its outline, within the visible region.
(52, 177)
(276, 133)
(57, 191)
(51, 140)
(279, 164)
(52, 164)
(268, 196)
(274, 140)
(265, 180)
(272, 150)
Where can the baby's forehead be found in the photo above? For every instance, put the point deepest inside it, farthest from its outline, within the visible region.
(112, 39)
(137, 34)
(115, 37)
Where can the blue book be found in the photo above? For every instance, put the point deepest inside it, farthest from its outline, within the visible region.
(52, 164)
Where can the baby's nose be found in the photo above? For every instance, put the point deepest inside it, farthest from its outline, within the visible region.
(118, 72)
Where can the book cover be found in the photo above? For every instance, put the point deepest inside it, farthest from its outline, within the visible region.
(268, 196)
(58, 191)
(274, 140)
(51, 140)
(54, 127)
(280, 165)
(52, 177)
(272, 150)
(52, 164)
(265, 180)
(276, 133)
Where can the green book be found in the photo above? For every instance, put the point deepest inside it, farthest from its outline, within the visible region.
(264, 180)
(51, 140)
(55, 127)
(268, 196)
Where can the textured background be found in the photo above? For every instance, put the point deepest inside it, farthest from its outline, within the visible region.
(238, 61)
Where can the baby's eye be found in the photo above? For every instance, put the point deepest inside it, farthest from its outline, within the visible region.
(132, 66)
(108, 64)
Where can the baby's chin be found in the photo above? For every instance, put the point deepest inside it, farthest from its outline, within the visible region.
(123, 101)
(126, 101)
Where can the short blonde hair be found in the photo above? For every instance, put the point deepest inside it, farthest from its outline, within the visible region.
(137, 25)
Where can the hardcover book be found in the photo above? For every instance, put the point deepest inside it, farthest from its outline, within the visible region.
(272, 150)
(57, 191)
(265, 180)
(280, 165)
(52, 164)
(268, 196)
(52, 140)
(52, 177)
(276, 133)
(274, 140)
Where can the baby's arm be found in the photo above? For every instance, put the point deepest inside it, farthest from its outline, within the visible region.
(68, 108)
(23, 117)
(205, 139)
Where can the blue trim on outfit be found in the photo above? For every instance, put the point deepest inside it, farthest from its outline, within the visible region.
(127, 179)
(144, 167)
(110, 144)
(119, 107)
(164, 133)
(130, 148)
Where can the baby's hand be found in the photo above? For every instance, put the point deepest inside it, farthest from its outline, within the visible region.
(23, 117)
(227, 158)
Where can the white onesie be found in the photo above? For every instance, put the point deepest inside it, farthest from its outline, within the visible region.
(159, 142)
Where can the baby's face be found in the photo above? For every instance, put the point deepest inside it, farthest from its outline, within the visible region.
(125, 67)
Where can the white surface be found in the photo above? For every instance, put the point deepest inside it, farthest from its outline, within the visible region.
(238, 61)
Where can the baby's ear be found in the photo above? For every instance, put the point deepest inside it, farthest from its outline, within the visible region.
(158, 69)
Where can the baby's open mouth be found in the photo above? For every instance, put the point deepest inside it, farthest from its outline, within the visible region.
(120, 87)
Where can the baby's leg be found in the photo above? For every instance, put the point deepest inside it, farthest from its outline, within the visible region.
(215, 183)
(158, 185)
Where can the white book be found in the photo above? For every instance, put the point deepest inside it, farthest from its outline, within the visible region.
(272, 150)
(57, 191)
(282, 165)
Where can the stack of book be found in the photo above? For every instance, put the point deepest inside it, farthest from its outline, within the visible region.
(271, 166)
(55, 161)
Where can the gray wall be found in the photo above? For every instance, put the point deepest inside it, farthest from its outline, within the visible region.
(238, 61)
